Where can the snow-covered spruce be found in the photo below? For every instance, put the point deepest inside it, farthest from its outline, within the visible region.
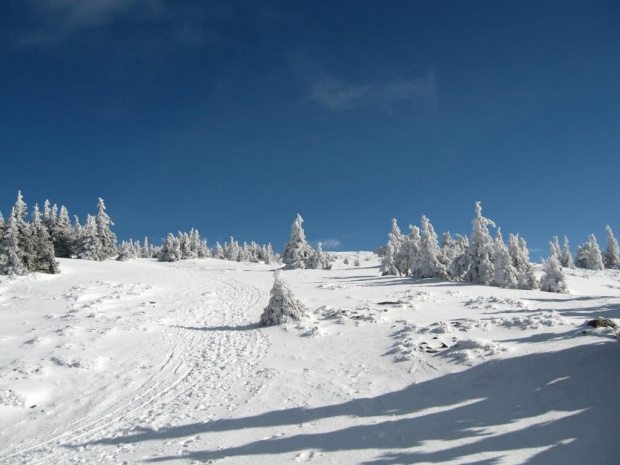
(297, 252)
(589, 255)
(480, 251)
(553, 279)
(566, 259)
(611, 257)
(505, 274)
(283, 307)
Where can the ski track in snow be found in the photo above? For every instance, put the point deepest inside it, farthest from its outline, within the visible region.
(205, 362)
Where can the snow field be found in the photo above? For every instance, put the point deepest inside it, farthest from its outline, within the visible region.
(141, 362)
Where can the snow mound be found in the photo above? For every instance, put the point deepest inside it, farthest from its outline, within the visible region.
(534, 321)
(474, 350)
(361, 313)
(494, 302)
(10, 398)
(331, 287)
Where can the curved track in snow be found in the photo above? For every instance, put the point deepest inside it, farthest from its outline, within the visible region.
(217, 348)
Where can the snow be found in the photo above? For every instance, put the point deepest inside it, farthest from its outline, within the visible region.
(146, 362)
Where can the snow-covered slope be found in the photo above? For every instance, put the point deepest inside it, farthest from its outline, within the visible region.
(141, 362)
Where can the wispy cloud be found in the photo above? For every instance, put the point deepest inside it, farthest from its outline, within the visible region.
(329, 244)
(55, 20)
(339, 95)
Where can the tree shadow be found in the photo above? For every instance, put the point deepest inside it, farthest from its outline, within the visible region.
(566, 403)
(248, 327)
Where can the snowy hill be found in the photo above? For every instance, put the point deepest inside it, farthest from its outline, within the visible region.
(144, 361)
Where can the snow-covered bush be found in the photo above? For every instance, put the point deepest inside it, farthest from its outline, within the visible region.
(283, 307)
(553, 279)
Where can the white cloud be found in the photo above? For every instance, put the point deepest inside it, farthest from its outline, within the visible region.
(339, 95)
(330, 244)
(58, 19)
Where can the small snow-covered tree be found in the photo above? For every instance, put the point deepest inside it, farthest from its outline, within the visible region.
(283, 307)
(553, 279)
(319, 260)
(555, 248)
(297, 252)
(566, 258)
(409, 256)
(11, 255)
(63, 235)
(505, 274)
(429, 264)
(392, 263)
(611, 257)
(480, 251)
(219, 251)
(589, 255)
(460, 262)
(517, 247)
(125, 251)
(43, 259)
(171, 249)
(107, 239)
(88, 243)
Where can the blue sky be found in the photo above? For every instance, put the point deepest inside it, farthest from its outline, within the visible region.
(232, 117)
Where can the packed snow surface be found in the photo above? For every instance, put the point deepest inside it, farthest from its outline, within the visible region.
(147, 362)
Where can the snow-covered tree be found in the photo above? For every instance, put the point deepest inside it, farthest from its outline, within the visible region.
(107, 238)
(171, 249)
(566, 258)
(43, 252)
(429, 264)
(63, 235)
(319, 260)
(88, 243)
(393, 256)
(589, 255)
(11, 253)
(505, 274)
(297, 252)
(145, 252)
(219, 251)
(125, 251)
(611, 257)
(283, 307)
(555, 248)
(460, 261)
(480, 250)
(553, 279)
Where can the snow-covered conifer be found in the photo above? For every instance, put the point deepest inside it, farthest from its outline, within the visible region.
(297, 252)
(505, 274)
(480, 250)
(63, 235)
(219, 251)
(171, 249)
(283, 307)
(125, 251)
(408, 259)
(43, 259)
(553, 279)
(88, 243)
(460, 262)
(11, 255)
(319, 260)
(389, 264)
(429, 264)
(107, 238)
(589, 255)
(555, 248)
(611, 257)
(145, 252)
(566, 258)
